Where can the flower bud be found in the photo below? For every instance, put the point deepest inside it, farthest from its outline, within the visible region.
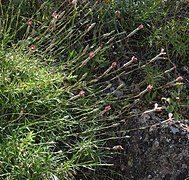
(149, 87)
(114, 64)
(108, 108)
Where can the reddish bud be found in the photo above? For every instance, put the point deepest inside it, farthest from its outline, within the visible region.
(29, 23)
(92, 54)
(114, 64)
(133, 59)
(54, 14)
(32, 47)
(82, 93)
(107, 108)
(149, 87)
(180, 78)
(140, 27)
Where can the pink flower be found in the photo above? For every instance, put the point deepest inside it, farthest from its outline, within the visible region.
(140, 27)
(149, 87)
(55, 15)
(32, 47)
(107, 108)
(180, 78)
(82, 93)
(133, 59)
(162, 51)
(29, 23)
(114, 64)
(92, 54)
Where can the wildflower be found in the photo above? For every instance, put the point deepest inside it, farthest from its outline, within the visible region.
(55, 15)
(32, 47)
(114, 64)
(82, 93)
(170, 119)
(162, 51)
(149, 88)
(29, 23)
(156, 108)
(107, 108)
(91, 55)
(140, 27)
(133, 59)
(180, 78)
(118, 147)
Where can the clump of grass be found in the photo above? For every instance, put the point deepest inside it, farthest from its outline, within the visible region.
(40, 122)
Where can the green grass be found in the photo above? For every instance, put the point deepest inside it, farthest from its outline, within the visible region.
(47, 127)
(40, 127)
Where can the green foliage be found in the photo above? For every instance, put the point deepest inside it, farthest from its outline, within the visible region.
(61, 99)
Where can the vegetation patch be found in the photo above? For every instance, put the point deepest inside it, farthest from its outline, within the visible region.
(78, 79)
